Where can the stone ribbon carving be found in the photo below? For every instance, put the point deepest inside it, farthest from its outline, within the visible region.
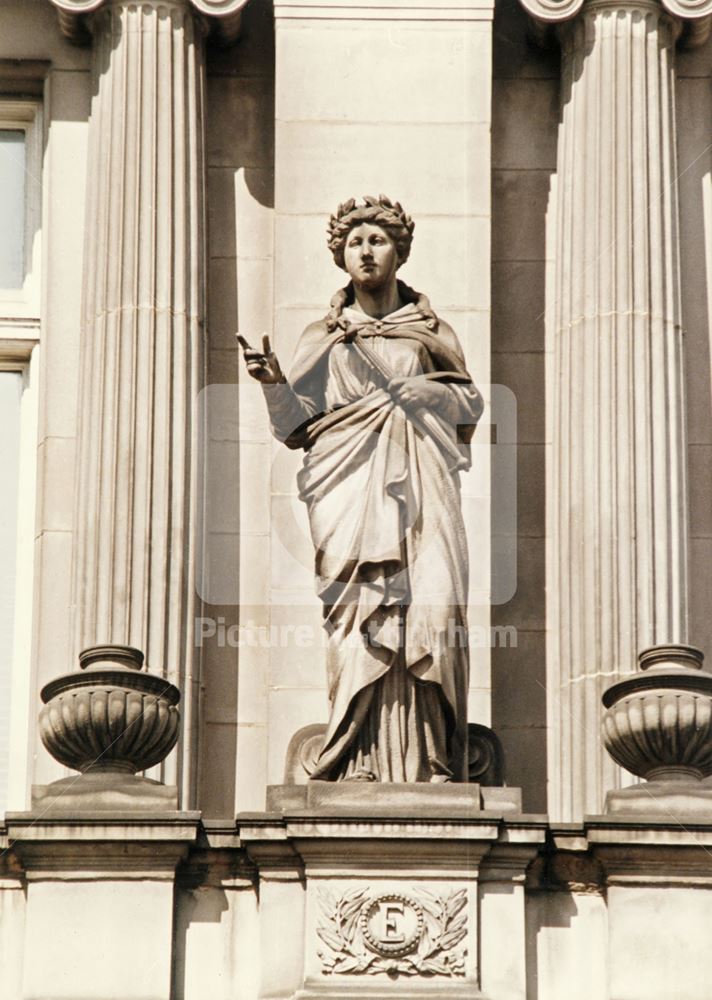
(618, 570)
(224, 15)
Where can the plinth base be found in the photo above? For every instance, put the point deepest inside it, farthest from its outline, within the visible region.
(663, 798)
(428, 991)
(380, 798)
(104, 792)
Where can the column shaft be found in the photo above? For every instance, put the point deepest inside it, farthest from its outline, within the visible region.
(143, 347)
(618, 515)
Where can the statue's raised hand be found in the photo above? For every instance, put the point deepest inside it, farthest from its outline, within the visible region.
(262, 365)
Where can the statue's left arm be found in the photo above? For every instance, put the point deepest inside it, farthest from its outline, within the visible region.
(464, 400)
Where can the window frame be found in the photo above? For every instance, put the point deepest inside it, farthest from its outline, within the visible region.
(22, 304)
(22, 356)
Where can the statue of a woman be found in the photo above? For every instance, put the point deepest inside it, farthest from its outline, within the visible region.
(380, 400)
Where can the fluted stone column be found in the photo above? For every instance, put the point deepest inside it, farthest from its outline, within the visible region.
(617, 575)
(138, 500)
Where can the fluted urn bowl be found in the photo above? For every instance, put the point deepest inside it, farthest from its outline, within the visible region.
(658, 723)
(110, 716)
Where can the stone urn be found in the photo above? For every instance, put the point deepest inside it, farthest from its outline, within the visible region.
(109, 720)
(657, 724)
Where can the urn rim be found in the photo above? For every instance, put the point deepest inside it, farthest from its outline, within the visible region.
(697, 683)
(111, 678)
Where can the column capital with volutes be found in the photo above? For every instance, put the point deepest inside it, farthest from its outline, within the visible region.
(693, 17)
(223, 16)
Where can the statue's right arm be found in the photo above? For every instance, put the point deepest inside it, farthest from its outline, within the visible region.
(287, 410)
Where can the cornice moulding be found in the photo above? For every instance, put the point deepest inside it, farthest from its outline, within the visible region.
(224, 16)
(393, 10)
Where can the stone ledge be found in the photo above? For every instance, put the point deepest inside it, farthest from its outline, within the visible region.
(118, 827)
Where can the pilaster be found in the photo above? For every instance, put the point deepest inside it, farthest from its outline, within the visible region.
(502, 878)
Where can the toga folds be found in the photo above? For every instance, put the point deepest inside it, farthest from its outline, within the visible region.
(381, 486)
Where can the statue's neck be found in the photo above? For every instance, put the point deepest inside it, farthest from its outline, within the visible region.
(377, 303)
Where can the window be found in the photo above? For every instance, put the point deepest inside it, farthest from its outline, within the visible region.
(13, 145)
(20, 210)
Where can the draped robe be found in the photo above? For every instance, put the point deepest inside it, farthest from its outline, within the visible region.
(381, 486)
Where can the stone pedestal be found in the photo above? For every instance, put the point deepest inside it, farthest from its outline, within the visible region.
(382, 898)
(659, 893)
(99, 918)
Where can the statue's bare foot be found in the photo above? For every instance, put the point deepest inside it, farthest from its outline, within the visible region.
(361, 776)
(440, 779)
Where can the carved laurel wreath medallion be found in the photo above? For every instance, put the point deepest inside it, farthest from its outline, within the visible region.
(393, 933)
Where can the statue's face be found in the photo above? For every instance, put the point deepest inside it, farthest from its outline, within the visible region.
(370, 256)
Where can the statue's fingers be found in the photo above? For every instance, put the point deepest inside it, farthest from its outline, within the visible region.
(266, 347)
(256, 366)
(243, 343)
(253, 355)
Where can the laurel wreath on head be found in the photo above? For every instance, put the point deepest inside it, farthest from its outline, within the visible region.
(378, 211)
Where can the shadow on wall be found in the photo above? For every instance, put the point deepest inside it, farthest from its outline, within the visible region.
(195, 904)
(694, 161)
(240, 109)
(565, 894)
(525, 118)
